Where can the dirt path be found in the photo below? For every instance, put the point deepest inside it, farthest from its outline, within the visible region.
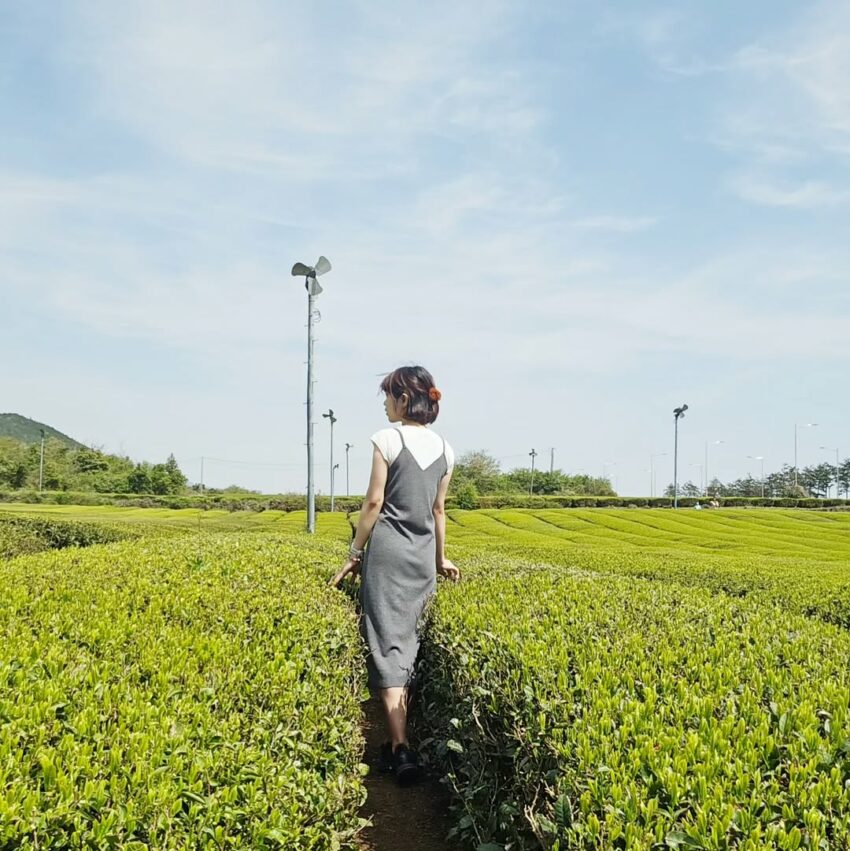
(411, 819)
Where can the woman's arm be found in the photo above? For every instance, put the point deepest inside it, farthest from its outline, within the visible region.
(440, 518)
(374, 500)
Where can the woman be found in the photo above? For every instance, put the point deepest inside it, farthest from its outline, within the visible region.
(403, 519)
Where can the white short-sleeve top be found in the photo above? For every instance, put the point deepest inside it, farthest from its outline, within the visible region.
(425, 445)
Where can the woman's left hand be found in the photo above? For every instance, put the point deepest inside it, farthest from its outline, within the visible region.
(351, 566)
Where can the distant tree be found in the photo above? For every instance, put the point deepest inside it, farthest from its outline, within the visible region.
(89, 461)
(467, 496)
(13, 464)
(817, 479)
(844, 477)
(177, 481)
(747, 486)
(690, 489)
(477, 468)
(139, 481)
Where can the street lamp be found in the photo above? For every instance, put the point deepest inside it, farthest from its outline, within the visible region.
(533, 455)
(713, 443)
(830, 449)
(652, 471)
(796, 427)
(310, 273)
(347, 447)
(41, 462)
(678, 413)
(700, 476)
(759, 458)
(330, 415)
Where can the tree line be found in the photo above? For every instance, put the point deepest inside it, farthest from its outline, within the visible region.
(819, 481)
(84, 469)
(479, 474)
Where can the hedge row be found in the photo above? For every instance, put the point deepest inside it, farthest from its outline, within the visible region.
(298, 502)
(575, 501)
(573, 710)
(795, 559)
(24, 535)
(228, 502)
(179, 694)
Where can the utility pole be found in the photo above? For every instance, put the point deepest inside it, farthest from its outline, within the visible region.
(713, 443)
(678, 413)
(652, 470)
(202, 473)
(796, 427)
(330, 415)
(41, 463)
(552, 460)
(313, 287)
(837, 491)
(759, 458)
(533, 455)
(347, 447)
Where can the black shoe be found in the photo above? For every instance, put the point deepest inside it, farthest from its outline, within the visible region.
(405, 765)
(385, 758)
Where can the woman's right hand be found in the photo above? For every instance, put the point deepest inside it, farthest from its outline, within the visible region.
(449, 570)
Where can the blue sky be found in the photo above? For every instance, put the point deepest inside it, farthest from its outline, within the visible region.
(577, 215)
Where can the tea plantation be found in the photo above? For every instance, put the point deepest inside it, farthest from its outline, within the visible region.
(599, 679)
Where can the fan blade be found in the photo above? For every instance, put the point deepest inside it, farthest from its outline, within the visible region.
(300, 269)
(313, 286)
(323, 265)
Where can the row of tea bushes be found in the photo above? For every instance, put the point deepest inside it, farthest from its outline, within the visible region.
(23, 535)
(179, 693)
(800, 565)
(580, 710)
(250, 501)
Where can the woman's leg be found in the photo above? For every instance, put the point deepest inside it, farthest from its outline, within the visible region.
(395, 709)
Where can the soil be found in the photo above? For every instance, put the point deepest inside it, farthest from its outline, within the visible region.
(415, 818)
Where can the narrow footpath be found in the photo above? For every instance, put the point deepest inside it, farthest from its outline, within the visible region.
(412, 819)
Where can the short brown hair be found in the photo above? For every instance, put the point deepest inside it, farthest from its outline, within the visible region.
(417, 382)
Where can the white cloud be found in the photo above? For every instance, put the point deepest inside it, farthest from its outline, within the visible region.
(807, 195)
(789, 105)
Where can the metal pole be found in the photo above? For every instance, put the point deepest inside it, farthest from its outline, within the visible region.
(347, 447)
(202, 473)
(676, 463)
(795, 457)
(652, 475)
(705, 492)
(332, 463)
(552, 460)
(311, 494)
(41, 463)
(533, 455)
(762, 478)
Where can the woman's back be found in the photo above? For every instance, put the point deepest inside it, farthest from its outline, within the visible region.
(424, 444)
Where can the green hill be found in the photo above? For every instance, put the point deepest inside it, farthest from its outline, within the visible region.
(29, 431)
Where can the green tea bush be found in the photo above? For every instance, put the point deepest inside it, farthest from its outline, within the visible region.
(795, 559)
(179, 693)
(585, 711)
(22, 535)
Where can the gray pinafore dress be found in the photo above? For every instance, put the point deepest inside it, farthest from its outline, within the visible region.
(399, 571)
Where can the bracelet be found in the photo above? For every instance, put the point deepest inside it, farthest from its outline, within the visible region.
(354, 553)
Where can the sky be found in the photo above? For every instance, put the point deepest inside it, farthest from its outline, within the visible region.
(576, 215)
